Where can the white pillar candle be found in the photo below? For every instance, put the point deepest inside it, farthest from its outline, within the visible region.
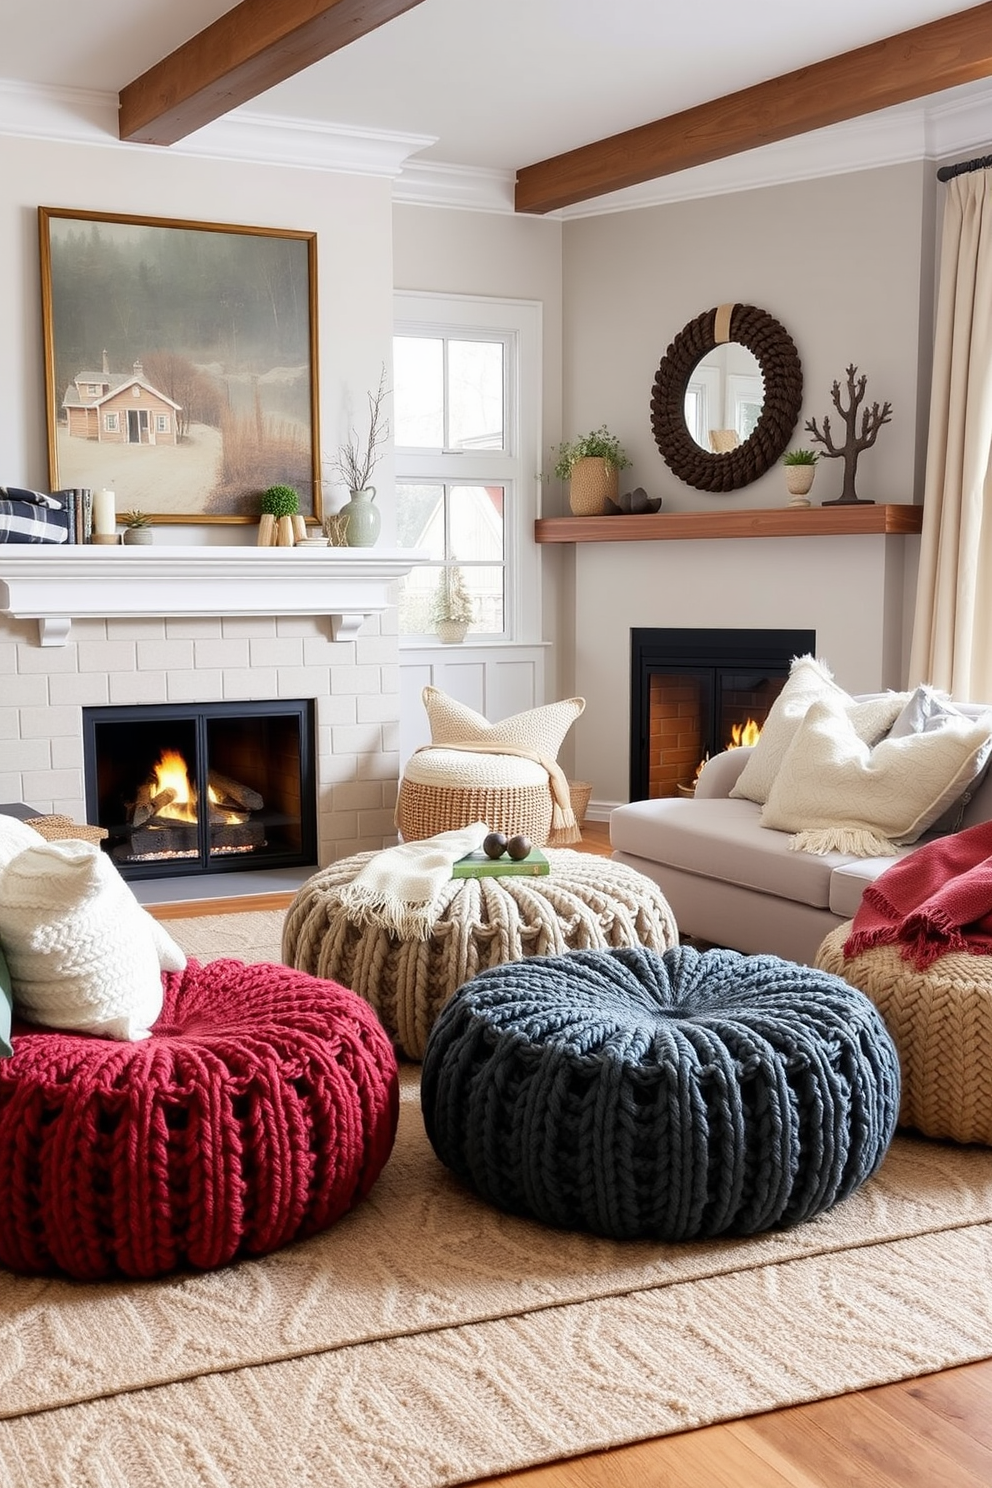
(104, 512)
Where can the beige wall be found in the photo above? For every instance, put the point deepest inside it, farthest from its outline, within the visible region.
(846, 264)
(350, 214)
(841, 262)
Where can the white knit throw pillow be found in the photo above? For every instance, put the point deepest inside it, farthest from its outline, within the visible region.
(83, 954)
(539, 729)
(809, 681)
(837, 794)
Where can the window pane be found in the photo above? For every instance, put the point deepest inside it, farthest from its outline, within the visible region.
(475, 394)
(475, 524)
(420, 517)
(418, 391)
(416, 593)
(486, 587)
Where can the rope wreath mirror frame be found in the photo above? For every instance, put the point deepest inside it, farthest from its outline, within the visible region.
(781, 370)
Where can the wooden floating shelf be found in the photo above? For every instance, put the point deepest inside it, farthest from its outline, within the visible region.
(812, 521)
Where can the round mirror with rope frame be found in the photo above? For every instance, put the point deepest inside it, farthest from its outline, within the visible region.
(782, 374)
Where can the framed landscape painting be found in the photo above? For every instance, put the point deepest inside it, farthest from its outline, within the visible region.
(180, 363)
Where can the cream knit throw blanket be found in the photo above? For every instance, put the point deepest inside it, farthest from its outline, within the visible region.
(564, 829)
(398, 888)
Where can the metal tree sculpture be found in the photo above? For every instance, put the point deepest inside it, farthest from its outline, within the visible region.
(857, 440)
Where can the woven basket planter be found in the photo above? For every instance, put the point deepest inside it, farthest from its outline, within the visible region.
(591, 484)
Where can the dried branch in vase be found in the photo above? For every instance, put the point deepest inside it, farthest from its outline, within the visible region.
(357, 459)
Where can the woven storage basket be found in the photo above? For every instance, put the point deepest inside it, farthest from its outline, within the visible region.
(62, 828)
(579, 792)
(443, 789)
(584, 903)
(941, 1023)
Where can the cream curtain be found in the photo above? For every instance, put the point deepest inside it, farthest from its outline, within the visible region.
(952, 631)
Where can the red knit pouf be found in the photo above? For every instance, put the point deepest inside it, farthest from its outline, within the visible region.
(262, 1108)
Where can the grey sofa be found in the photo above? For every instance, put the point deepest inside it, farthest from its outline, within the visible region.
(733, 882)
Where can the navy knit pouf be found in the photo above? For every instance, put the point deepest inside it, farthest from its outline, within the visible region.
(667, 1096)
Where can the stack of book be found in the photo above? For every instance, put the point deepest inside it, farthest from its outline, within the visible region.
(77, 501)
(480, 865)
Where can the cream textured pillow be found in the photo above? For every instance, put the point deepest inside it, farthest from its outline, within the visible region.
(539, 729)
(15, 836)
(809, 681)
(83, 954)
(838, 794)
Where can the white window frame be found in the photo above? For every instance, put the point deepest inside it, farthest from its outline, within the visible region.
(518, 323)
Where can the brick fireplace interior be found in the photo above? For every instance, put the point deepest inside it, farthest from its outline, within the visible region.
(149, 769)
(696, 692)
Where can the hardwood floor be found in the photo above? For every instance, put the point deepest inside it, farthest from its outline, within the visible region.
(931, 1432)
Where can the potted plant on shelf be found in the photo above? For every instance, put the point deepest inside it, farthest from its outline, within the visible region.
(591, 464)
(137, 527)
(355, 463)
(452, 608)
(800, 468)
(280, 523)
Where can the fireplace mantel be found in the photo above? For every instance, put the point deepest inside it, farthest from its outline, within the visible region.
(83, 582)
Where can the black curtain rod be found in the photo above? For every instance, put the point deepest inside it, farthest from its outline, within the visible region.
(948, 172)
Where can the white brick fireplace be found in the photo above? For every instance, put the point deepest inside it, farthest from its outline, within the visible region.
(89, 626)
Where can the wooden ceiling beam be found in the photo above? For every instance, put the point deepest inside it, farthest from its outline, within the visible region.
(925, 60)
(252, 48)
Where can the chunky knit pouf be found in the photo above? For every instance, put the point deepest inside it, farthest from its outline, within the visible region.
(584, 903)
(262, 1108)
(670, 1097)
(940, 1020)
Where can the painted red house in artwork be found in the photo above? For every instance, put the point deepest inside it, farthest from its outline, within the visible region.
(120, 408)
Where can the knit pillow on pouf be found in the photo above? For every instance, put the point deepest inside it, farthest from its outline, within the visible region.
(672, 1097)
(261, 1109)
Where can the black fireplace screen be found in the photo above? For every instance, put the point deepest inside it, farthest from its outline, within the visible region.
(202, 788)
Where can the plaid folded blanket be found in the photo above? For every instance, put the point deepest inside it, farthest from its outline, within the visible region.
(31, 517)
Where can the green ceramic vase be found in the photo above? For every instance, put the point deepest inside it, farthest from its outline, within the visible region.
(363, 519)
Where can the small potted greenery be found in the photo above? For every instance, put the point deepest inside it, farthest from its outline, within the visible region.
(280, 524)
(137, 527)
(452, 607)
(591, 464)
(800, 468)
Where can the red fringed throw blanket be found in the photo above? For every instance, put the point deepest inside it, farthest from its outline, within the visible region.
(936, 900)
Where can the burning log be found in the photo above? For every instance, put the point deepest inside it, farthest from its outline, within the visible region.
(241, 796)
(147, 806)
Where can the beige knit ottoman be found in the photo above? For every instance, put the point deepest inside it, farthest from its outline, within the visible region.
(941, 1023)
(584, 903)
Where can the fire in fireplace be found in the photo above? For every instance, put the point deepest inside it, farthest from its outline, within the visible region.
(191, 789)
(696, 692)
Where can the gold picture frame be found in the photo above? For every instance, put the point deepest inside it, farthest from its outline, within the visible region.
(180, 363)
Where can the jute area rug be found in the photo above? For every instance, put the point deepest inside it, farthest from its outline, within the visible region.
(429, 1340)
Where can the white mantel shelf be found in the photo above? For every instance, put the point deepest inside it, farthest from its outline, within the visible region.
(58, 585)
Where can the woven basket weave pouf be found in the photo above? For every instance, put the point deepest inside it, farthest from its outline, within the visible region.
(445, 789)
(941, 1022)
(261, 1109)
(584, 903)
(669, 1097)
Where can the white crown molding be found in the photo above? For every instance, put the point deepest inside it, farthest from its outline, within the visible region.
(82, 116)
(930, 129)
(428, 183)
